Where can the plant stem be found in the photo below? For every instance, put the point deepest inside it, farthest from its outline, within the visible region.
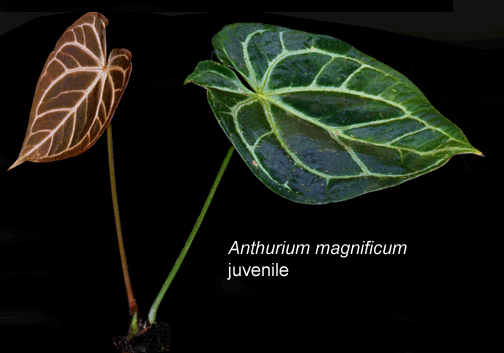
(173, 272)
(134, 329)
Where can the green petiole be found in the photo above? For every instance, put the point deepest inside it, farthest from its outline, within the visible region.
(173, 272)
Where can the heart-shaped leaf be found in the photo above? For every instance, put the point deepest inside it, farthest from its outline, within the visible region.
(323, 121)
(77, 93)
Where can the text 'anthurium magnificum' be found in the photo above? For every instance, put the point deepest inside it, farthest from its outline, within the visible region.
(323, 121)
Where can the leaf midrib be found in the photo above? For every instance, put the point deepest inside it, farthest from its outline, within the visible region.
(313, 87)
(407, 114)
(269, 97)
(262, 99)
(103, 75)
(340, 131)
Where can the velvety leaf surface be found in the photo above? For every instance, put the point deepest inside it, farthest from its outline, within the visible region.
(323, 121)
(77, 93)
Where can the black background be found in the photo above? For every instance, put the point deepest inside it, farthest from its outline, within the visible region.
(60, 276)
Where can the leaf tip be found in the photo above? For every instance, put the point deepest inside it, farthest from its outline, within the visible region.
(475, 151)
(16, 163)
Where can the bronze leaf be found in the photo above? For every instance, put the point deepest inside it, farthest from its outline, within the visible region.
(77, 93)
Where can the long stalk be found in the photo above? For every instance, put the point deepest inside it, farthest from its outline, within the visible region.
(133, 307)
(173, 272)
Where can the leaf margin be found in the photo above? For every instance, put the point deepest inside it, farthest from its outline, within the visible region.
(244, 71)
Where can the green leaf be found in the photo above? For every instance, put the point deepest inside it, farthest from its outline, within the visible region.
(322, 121)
